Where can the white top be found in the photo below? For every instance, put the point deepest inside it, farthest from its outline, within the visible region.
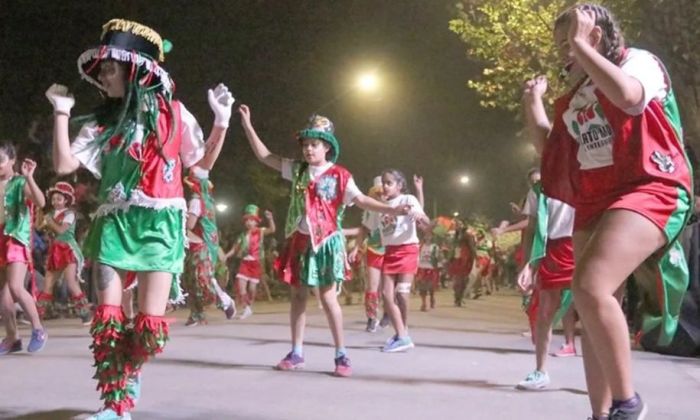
(351, 189)
(194, 207)
(397, 230)
(68, 219)
(90, 154)
(584, 118)
(560, 222)
(425, 258)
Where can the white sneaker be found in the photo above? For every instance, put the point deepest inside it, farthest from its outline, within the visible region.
(534, 381)
(247, 312)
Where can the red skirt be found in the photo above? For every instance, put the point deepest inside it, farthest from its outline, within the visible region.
(60, 256)
(250, 270)
(557, 267)
(483, 264)
(430, 276)
(374, 260)
(401, 259)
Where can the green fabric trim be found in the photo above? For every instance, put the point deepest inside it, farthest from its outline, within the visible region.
(671, 275)
(567, 299)
(322, 135)
(18, 217)
(539, 239)
(297, 206)
(326, 266)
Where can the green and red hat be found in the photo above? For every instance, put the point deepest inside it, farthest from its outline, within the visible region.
(320, 127)
(64, 188)
(251, 211)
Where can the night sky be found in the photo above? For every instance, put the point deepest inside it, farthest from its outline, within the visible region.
(287, 60)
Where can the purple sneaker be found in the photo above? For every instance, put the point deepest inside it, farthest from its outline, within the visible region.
(291, 361)
(38, 341)
(6, 346)
(632, 409)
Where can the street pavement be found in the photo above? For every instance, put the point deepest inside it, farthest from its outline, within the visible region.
(465, 366)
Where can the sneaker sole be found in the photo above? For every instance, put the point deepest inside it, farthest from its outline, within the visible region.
(564, 355)
(300, 366)
(529, 388)
(342, 375)
(401, 348)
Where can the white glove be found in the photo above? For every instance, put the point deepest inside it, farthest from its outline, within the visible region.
(221, 101)
(59, 97)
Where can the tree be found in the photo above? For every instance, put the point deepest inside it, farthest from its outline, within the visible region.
(514, 40)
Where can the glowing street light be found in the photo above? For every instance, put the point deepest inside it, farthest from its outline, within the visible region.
(464, 180)
(368, 82)
(221, 207)
(455, 214)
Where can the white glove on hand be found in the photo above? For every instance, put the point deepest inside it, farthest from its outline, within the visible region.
(221, 101)
(59, 97)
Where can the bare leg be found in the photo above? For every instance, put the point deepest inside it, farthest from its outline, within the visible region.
(390, 306)
(334, 314)
(297, 314)
(547, 309)
(16, 273)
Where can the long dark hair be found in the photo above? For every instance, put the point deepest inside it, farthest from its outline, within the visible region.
(613, 40)
(140, 106)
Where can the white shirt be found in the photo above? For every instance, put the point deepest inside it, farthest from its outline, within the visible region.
(68, 219)
(560, 222)
(194, 207)
(425, 259)
(88, 152)
(584, 118)
(351, 189)
(397, 230)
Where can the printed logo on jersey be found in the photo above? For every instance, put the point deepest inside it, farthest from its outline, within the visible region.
(587, 124)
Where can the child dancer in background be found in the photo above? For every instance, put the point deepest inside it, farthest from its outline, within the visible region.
(250, 248)
(428, 275)
(315, 253)
(203, 253)
(64, 256)
(400, 238)
(20, 194)
(374, 258)
(462, 263)
(550, 267)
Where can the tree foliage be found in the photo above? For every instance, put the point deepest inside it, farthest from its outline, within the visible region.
(513, 39)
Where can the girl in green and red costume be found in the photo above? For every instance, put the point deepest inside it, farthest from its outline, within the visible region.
(315, 252)
(374, 258)
(250, 248)
(136, 143)
(615, 153)
(64, 255)
(203, 253)
(19, 195)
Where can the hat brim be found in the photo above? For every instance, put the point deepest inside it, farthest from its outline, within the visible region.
(252, 216)
(88, 69)
(322, 135)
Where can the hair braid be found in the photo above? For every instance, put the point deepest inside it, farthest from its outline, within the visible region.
(613, 40)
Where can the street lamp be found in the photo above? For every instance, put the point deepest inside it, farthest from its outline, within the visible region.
(368, 82)
(221, 207)
(464, 180)
(455, 214)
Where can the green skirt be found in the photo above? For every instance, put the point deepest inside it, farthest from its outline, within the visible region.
(138, 239)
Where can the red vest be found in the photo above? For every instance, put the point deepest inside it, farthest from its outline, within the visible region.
(153, 168)
(645, 149)
(323, 200)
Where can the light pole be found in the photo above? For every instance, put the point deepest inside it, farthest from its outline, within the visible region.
(221, 207)
(366, 83)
